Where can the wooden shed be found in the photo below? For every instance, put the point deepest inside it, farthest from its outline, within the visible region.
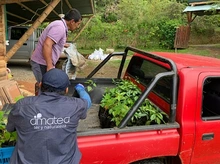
(194, 9)
(34, 12)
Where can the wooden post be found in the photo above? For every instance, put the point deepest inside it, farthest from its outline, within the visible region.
(3, 67)
(34, 26)
(82, 29)
(182, 37)
(2, 31)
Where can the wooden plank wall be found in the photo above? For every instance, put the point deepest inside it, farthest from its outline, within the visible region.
(2, 31)
(182, 37)
(3, 65)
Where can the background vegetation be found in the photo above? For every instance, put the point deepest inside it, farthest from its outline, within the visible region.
(144, 24)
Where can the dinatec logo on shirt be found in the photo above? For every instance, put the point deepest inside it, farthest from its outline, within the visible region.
(40, 122)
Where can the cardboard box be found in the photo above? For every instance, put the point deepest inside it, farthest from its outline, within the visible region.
(9, 92)
(12, 91)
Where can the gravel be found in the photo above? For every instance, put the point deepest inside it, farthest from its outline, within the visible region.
(21, 72)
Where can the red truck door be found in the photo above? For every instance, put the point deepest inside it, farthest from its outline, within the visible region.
(206, 148)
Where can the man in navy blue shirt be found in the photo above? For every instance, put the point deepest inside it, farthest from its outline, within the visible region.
(46, 124)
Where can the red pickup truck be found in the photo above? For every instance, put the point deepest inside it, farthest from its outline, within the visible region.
(185, 87)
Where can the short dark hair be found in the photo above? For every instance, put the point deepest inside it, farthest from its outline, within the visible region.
(48, 88)
(73, 14)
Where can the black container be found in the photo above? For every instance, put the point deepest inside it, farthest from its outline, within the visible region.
(105, 119)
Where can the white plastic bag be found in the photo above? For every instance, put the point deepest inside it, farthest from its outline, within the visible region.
(97, 55)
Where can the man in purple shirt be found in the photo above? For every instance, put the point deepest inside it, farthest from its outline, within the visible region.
(46, 124)
(52, 42)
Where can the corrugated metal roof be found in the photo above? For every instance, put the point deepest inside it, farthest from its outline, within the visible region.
(28, 11)
(203, 9)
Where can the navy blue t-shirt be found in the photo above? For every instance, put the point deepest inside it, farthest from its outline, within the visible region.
(46, 126)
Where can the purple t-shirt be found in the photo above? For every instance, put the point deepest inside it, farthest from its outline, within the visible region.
(57, 31)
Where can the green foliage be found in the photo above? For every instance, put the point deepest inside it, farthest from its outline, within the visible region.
(118, 101)
(111, 17)
(166, 33)
(153, 114)
(90, 85)
(205, 25)
(139, 23)
(6, 138)
(18, 98)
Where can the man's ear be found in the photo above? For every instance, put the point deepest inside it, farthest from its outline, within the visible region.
(73, 21)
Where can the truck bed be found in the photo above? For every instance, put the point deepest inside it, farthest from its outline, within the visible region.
(91, 121)
(91, 125)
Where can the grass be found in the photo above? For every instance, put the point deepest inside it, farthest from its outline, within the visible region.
(193, 51)
(211, 51)
(110, 69)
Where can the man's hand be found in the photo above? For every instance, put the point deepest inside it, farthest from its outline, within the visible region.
(79, 87)
(83, 94)
(50, 67)
(66, 45)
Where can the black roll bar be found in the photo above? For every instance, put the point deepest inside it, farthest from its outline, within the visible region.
(173, 73)
(134, 108)
(123, 54)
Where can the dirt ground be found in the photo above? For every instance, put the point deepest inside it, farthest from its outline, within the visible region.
(23, 75)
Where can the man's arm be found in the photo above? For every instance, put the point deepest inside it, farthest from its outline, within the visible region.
(47, 52)
(83, 94)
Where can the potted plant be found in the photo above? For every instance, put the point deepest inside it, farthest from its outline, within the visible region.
(7, 139)
(117, 101)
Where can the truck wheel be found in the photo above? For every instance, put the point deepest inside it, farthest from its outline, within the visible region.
(150, 161)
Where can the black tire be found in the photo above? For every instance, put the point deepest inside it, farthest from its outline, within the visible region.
(150, 161)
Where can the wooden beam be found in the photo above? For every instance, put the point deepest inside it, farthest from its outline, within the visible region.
(27, 8)
(4, 2)
(2, 31)
(83, 28)
(12, 22)
(91, 2)
(47, 4)
(17, 16)
(68, 4)
(201, 3)
(34, 26)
